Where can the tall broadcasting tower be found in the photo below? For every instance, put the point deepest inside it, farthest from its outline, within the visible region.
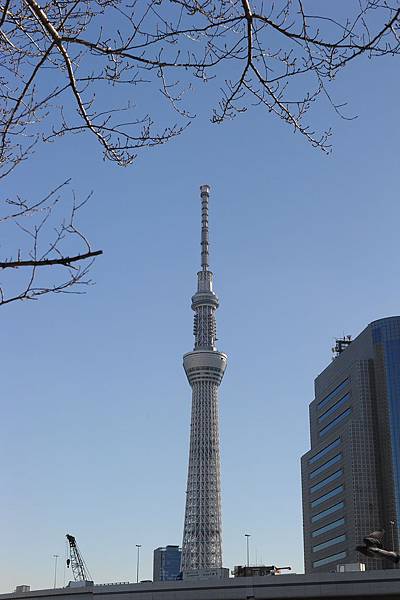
(204, 367)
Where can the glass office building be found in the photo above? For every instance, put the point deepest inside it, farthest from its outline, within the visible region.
(351, 475)
(166, 563)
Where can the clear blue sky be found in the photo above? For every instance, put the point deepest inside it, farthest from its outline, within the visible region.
(96, 407)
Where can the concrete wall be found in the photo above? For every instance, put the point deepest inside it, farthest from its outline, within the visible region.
(371, 585)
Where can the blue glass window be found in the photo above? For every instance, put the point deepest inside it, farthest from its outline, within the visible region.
(332, 542)
(324, 451)
(327, 512)
(330, 396)
(325, 466)
(386, 338)
(335, 422)
(334, 407)
(328, 559)
(327, 480)
(328, 527)
(331, 494)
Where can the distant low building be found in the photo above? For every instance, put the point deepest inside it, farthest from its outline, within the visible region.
(350, 568)
(211, 573)
(166, 563)
(258, 571)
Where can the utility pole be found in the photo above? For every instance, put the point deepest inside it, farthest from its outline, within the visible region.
(247, 536)
(392, 530)
(138, 546)
(56, 557)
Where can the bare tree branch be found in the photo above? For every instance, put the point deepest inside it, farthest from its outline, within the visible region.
(256, 50)
(45, 235)
(65, 260)
(62, 59)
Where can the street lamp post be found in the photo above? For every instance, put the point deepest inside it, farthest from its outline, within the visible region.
(392, 530)
(56, 557)
(138, 546)
(247, 536)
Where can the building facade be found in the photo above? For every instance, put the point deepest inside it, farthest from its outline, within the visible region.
(351, 475)
(166, 563)
(204, 367)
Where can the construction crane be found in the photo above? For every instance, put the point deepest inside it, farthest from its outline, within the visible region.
(76, 562)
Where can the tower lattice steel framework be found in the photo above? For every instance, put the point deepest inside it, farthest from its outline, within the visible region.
(204, 367)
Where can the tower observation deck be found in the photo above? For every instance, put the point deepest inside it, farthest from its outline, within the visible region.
(204, 367)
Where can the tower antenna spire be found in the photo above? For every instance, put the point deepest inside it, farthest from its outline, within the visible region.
(205, 195)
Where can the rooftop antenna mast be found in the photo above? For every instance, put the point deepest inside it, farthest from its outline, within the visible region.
(205, 194)
(341, 345)
(76, 561)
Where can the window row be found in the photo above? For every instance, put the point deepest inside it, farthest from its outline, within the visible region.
(327, 496)
(328, 527)
(335, 422)
(327, 511)
(332, 542)
(334, 407)
(324, 451)
(322, 468)
(203, 369)
(329, 559)
(337, 389)
(327, 480)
